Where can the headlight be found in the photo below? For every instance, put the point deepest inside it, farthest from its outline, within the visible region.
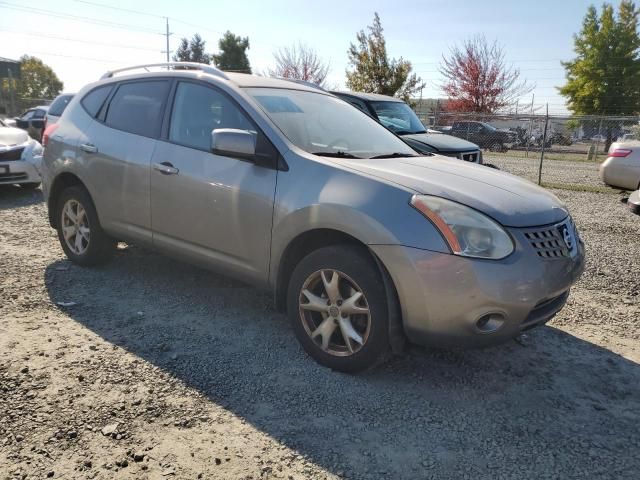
(468, 232)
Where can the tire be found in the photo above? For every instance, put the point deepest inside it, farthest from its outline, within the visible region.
(357, 272)
(96, 246)
(496, 147)
(30, 186)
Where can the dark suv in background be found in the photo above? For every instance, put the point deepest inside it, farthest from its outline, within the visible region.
(398, 117)
(485, 135)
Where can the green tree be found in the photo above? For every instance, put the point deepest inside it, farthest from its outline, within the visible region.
(37, 80)
(233, 53)
(604, 77)
(374, 72)
(192, 51)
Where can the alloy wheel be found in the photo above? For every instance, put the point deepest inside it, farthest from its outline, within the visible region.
(334, 312)
(75, 227)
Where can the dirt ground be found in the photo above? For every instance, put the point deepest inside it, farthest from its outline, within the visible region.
(150, 368)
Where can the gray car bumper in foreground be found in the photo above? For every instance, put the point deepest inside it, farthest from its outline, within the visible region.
(452, 301)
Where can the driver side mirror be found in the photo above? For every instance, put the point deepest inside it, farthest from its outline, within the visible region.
(231, 142)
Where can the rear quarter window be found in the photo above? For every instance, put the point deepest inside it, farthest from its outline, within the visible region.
(92, 101)
(59, 104)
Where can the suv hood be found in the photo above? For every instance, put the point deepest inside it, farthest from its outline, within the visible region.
(442, 142)
(10, 137)
(508, 199)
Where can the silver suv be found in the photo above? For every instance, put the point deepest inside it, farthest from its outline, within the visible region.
(364, 242)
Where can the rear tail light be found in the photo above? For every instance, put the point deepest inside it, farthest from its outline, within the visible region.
(47, 133)
(620, 152)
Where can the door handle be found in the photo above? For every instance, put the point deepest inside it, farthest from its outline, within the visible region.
(166, 168)
(89, 148)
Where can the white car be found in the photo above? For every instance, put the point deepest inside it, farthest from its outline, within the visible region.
(621, 169)
(20, 158)
(634, 202)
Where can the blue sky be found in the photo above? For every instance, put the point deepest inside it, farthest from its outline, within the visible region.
(535, 35)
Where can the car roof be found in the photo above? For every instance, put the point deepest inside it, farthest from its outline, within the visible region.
(370, 97)
(242, 80)
(247, 80)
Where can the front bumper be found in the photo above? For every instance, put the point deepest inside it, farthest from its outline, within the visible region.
(444, 298)
(634, 202)
(18, 171)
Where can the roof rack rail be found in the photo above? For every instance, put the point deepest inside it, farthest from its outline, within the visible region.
(303, 82)
(189, 65)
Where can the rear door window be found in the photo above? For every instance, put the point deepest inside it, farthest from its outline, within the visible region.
(138, 107)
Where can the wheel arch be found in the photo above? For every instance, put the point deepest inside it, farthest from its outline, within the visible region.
(311, 240)
(63, 181)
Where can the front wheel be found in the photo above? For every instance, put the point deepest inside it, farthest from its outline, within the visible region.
(79, 231)
(337, 305)
(496, 147)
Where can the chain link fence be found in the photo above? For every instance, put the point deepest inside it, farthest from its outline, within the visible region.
(554, 151)
(12, 106)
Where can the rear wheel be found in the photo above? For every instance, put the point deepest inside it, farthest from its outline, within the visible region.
(337, 305)
(79, 231)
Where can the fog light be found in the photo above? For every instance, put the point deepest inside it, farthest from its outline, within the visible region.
(490, 322)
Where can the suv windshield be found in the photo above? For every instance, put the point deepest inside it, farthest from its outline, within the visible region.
(398, 117)
(325, 125)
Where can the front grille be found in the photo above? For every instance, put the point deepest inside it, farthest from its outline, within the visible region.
(15, 154)
(556, 241)
(12, 177)
(470, 156)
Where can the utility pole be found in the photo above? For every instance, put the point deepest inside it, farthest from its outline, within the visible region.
(167, 35)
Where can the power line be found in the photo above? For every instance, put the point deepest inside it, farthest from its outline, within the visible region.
(129, 10)
(173, 19)
(201, 27)
(91, 59)
(96, 21)
(78, 40)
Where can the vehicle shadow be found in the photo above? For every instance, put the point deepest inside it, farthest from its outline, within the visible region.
(554, 408)
(14, 196)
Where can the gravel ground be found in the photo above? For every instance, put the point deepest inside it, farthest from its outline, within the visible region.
(553, 171)
(161, 370)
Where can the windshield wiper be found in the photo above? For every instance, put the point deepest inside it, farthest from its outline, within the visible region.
(394, 155)
(338, 154)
